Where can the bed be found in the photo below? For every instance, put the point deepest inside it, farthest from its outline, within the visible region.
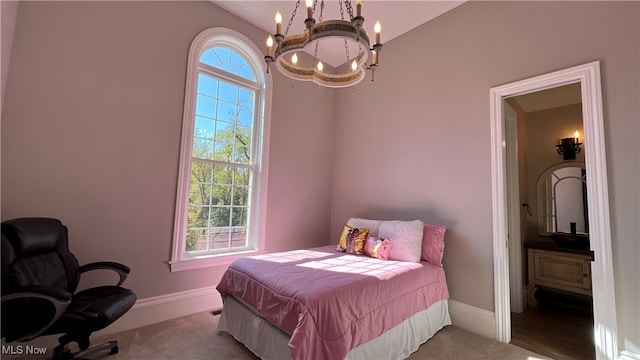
(323, 303)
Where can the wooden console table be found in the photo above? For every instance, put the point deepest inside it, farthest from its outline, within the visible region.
(557, 267)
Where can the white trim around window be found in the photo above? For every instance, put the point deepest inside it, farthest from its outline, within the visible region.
(209, 38)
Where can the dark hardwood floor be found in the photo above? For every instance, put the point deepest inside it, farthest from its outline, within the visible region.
(560, 328)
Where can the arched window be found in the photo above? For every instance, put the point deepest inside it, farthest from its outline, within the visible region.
(222, 155)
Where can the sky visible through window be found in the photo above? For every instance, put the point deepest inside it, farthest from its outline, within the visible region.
(223, 107)
(228, 60)
(222, 165)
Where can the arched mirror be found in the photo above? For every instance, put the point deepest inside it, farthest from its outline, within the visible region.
(562, 200)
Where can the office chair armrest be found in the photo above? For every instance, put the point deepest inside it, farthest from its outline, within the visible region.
(58, 298)
(122, 270)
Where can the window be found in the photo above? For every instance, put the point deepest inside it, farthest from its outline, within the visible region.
(222, 157)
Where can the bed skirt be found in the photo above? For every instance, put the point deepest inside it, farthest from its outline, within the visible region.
(269, 342)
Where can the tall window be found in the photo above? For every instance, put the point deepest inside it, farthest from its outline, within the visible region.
(219, 186)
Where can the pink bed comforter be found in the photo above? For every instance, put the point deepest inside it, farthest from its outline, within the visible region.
(331, 302)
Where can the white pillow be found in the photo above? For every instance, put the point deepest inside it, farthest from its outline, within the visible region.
(406, 236)
(372, 225)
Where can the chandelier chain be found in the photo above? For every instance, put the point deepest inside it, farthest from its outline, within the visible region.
(346, 49)
(346, 45)
(293, 15)
(349, 9)
(315, 52)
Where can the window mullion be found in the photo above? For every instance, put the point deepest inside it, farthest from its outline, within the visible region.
(225, 163)
(217, 73)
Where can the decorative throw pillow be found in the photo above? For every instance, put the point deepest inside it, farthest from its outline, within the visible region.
(407, 239)
(352, 240)
(433, 244)
(377, 248)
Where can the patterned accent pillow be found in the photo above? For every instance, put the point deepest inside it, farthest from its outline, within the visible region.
(352, 240)
(377, 248)
(433, 244)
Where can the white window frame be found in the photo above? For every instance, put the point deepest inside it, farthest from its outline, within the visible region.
(180, 259)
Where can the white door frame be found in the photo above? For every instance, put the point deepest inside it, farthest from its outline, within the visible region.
(604, 305)
(514, 235)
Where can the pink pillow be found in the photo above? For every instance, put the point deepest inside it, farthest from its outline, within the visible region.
(433, 243)
(377, 248)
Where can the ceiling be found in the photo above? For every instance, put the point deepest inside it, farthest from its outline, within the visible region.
(396, 17)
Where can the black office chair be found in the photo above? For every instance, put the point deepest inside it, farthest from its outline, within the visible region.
(39, 281)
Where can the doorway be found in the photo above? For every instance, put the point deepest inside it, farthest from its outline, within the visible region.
(548, 187)
(588, 75)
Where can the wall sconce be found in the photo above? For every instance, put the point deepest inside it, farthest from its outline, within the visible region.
(569, 147)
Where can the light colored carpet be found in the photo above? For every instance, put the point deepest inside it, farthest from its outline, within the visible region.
(195, 337)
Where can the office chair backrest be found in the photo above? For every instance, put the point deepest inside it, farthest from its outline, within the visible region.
(37, 255)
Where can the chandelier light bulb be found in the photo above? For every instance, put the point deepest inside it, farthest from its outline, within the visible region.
(294, 58)
(278, 22)
(377, 28)
(269, 45)
(354, 65)
(309, 4)
(576, 135)
(320, 66)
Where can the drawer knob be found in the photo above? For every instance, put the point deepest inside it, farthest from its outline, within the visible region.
(585, 275)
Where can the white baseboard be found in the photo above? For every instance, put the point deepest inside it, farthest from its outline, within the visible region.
(629, 355)
(476, 320)
(165, 307)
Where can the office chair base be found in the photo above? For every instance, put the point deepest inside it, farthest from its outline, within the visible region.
(63, 353)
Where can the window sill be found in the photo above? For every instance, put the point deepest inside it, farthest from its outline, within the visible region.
(209, 261)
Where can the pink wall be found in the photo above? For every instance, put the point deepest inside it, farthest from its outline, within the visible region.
(416, 142)
(300, 167)
(91, 134)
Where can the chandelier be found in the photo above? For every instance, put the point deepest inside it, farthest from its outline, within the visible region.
(289, 55)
